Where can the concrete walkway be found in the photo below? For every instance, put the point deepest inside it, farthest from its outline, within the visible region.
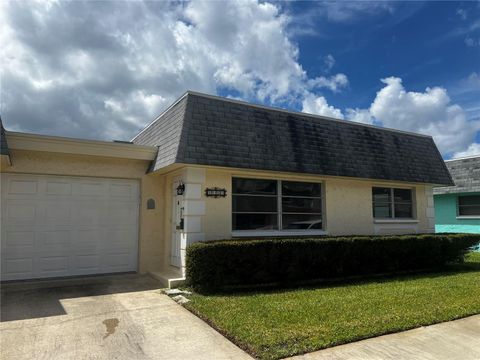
(454, 340)
(117, 317)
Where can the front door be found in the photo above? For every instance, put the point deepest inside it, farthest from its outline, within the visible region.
(177, 222)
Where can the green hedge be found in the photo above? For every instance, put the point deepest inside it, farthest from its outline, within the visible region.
(219, 264)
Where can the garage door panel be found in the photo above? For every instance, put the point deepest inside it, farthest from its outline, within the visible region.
(120, 236)
(57, 213)
(121, 211)
(18, 268)
(89, 241)
(118, 260)
(22, 187)
(87, 262)
(56, 241)
(21, 212)
(54, 264)
(89, 189)
(20, 252)
(90, 213)
(123, 191)
(19, 239)
(59, 188)
(63, 226)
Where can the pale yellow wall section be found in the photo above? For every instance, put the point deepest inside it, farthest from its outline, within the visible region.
(218, 222)
(4, 162)
(30, 162)
(152, 244)
(348, 204)
(348, 207)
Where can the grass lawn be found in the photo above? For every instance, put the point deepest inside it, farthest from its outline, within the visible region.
(281, 323)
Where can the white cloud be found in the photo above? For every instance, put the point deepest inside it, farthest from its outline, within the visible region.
(472, 42)
(430, 112)
(318, 105)
(360, 115)
(104, 69)
(472, 150)
(342, 11)
(462, 13)
(471, 82)
(335, 83)
(328, 62)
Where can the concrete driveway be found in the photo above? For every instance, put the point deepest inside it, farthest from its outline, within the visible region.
(109, 317)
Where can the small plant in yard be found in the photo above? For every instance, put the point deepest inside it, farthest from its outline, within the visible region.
(273, 324)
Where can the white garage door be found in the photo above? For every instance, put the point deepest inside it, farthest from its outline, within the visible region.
(55, 226)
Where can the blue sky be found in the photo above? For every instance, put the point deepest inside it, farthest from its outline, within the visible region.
(103, 70)
(421, 42)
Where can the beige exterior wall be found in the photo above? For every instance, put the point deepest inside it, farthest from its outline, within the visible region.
(32, 162)
(347, 204)
(4, 162)
(218, 224)
(152, 236)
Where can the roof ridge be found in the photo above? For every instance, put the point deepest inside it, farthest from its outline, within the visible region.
(293, 112)
(182, 146)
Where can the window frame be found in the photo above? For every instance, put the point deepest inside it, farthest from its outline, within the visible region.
(279, 196)
(459, 215)
(392, 203)
(275, 196)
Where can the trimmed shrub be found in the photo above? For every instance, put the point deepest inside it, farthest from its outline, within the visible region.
(225, 263)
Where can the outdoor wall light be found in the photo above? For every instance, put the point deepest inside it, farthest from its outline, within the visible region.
(181, 189)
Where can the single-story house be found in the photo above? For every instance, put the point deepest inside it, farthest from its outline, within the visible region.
(207, 168)
(457, 208)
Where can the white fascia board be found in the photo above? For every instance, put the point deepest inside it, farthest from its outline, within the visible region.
(57, 144)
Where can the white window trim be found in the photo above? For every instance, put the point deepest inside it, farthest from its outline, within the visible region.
(397, 221)
(392, 206)
(279, 195)
(468, 217)
(277, 233)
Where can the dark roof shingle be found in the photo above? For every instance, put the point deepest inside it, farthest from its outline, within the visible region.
(465, 174)
(206, 130)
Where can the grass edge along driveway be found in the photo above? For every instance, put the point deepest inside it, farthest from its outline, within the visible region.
(285, 322)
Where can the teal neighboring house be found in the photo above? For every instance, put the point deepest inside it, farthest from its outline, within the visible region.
(457, 208)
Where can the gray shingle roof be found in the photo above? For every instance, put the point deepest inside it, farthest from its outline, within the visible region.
(207, 130)
(3, 140)
(466, 176)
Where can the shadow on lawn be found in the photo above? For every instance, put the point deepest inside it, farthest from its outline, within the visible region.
(272, 288)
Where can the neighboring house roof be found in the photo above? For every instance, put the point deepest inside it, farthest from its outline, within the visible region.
(465, 174)
(3, 140)
(209, 130)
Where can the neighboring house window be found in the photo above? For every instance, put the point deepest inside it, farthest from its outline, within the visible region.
(276, 205)
(390, 203)
(469, 205)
